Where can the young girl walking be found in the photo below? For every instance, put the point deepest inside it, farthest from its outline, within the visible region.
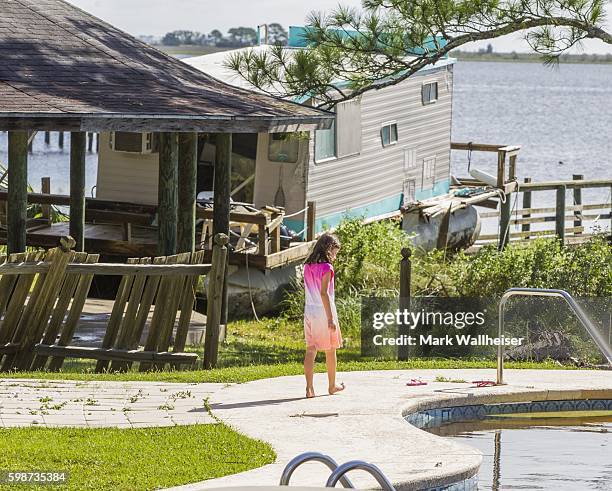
(321, 328)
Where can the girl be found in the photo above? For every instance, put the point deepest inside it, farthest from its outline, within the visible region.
(321, 328)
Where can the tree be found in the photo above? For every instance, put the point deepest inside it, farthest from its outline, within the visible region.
(277, 34)
(242, 36)
(216, 36)
(489, 48)
(352, 51)
(176, 38)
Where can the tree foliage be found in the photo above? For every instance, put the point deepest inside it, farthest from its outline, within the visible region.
(356, 50)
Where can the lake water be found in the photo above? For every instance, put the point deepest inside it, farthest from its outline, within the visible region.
(561, 117)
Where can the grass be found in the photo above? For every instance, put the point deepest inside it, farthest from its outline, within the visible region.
(273, 347)
(126, 459)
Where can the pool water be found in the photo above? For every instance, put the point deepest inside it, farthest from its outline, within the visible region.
(542, 451)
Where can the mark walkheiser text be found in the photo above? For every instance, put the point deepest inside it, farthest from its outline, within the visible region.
(448, 340)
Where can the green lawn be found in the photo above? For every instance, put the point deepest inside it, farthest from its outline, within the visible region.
(271, 348)
(127, 459)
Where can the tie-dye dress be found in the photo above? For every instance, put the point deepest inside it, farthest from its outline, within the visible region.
(316, 328)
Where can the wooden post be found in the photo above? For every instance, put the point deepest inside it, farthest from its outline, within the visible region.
(214, 295)
(60, 139)
(404, 300)
(577, 202)
(77, 189)
(501, 168)
(504, 221)
(221, 198)
(47, 137)
(97, 142)
(512, 168)
(187, 180)
(311, 220)
(167, 194)
(45, 188)
(560, 215)
(17, 191)
(526, 204)
(90, 137)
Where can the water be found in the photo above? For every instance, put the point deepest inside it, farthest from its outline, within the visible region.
(572, 457)
(557, 115)
(560, 116)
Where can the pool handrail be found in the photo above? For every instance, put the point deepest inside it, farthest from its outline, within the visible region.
(544, 292)
(307, 457)
(340, 472)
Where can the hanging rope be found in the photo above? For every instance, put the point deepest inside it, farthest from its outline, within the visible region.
(469, 155)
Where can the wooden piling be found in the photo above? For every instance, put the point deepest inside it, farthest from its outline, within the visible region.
(90, 138)
(504, 222)
(47, 137)
(167, 194)
(311, 220)
(187, 180)
(404, 300)
(560, 214)
(526, 205)
(45, 188)
(221, 199)
(577, 202)
(77, 189)
(17, 191)
(216, 285)
(60, 139)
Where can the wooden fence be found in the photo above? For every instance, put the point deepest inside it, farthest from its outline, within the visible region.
(42, 295)
(578, 214)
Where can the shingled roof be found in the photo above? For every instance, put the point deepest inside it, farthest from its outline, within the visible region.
(63, 69)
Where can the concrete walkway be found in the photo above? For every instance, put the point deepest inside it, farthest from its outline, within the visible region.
(365, 422)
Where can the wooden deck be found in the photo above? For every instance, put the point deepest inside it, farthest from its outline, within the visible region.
(108, 240)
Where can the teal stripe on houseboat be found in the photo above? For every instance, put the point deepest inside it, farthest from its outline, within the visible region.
(439, 188)
(378, 208)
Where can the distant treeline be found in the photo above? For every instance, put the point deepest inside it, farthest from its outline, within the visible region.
(487, 55)
(236, 37)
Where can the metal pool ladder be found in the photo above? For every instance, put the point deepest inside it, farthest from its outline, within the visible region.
(543, 292)
(338, 471)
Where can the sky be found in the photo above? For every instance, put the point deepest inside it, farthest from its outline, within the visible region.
(156, 17)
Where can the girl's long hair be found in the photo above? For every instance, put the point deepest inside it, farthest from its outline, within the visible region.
(322, 248)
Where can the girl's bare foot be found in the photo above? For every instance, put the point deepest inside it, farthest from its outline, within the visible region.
(337, 388)
(310, 393)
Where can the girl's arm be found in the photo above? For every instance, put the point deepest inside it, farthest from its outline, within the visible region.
(325, 298)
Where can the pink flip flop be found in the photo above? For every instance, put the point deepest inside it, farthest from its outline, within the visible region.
(484, 383)
(415, 382)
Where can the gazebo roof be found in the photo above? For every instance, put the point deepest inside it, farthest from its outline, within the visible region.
(63, 69)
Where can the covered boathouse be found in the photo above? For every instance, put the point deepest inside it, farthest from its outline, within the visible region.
(62, 69)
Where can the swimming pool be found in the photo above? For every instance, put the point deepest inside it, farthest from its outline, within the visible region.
(547, 445)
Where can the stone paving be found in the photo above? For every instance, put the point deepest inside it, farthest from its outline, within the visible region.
(97, 404)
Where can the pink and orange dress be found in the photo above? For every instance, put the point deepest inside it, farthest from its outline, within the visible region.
(316, 329)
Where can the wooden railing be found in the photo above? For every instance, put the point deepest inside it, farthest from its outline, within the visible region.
(259, 232)
(560, 214)
(42, 295)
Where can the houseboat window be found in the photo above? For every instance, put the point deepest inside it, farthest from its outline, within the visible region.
(388, 134)
(429, 93)
(325, 144)
(284, 147)
(348, 120)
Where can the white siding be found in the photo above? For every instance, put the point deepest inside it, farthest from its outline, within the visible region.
(377, 173)
(125, 176)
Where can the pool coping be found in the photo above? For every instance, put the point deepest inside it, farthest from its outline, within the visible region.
(273, 410)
